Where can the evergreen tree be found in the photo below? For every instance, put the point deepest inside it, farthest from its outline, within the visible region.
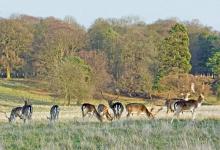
(174, 51)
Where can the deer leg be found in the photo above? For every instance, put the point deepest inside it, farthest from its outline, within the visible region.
(168, 110)
(83, 115)
(119, 115)
(115, 115)
(128, 115)
(57, 116)
(108, 116)
(92, 114)
(193, 114)
(176, 114)
(138, 113)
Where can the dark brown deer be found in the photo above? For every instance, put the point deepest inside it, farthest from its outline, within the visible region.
(190, 105)
(137, 108)
(15, 112)
(116, 107)
(54, 113)
(89, 109)
(27, 111)
(104, 111)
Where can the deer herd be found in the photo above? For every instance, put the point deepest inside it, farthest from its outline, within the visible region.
(175, 105)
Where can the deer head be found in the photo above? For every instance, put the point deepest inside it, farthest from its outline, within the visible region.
(9, 118)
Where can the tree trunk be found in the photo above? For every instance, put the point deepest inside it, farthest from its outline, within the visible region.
(8, 71)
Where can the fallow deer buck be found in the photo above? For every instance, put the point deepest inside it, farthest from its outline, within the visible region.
(190, 105)
(116, 107)
(169, 103)
(27, 111)
(54, 113)
(104, 111)
(15, 112)
(137, 108)
(90, 110)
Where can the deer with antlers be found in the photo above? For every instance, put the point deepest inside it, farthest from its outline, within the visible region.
(89, 109)
(54, 113)
(104, 111)
(116, 107)
(137, 108)
(190, 105)
(169, 103)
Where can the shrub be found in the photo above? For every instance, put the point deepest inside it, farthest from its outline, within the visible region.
(178, 83)
(71, 79)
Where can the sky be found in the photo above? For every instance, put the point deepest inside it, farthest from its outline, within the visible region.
(86, 11)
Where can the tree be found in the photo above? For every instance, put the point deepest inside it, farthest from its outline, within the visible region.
(54, 41)
(72, 79)
(202, 50)
(203, 42)
(15, 39)
(98, 62)
(174, 51)
(137, 58)
(103, 37)
(214, 63)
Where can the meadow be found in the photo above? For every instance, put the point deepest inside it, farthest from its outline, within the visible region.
(73, 132)
(123, 134)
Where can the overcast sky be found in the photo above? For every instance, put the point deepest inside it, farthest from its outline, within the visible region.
(86, 11)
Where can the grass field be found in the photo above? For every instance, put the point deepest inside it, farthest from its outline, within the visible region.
(72, 132)
(125, 134)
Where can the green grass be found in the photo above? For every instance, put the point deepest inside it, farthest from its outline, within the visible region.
(124, 134)
(13, 93)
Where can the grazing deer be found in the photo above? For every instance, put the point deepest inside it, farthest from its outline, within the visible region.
(91, 110)
(27, 111)
(169, 103)
(116, 107)
(138, 108)
(15, 112)
(190, 105)
(103, 111)
(54, 113)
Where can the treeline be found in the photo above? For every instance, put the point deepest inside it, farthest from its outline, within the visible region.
(125, 54)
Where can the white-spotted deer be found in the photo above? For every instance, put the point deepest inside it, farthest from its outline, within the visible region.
(54, 113)
(190, 105)
(116, 107)
(15, 112)
(90, 110)
(104, 111)
(169, 103)
(137, 108)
